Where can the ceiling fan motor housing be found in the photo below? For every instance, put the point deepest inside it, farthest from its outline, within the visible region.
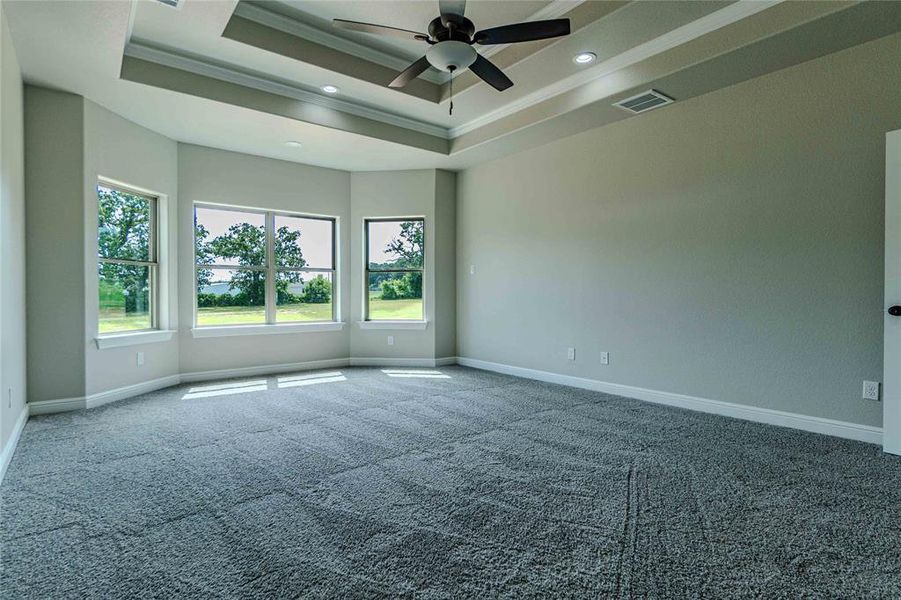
(451, 55)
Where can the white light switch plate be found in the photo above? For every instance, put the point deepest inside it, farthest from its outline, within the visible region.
(605, 358)
(871, 390)
(390, 340)
(571, 354)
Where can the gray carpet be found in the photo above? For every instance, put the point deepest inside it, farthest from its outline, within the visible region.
(471, 485)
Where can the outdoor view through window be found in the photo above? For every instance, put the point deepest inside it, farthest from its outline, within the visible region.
(239, 283)
(127, 267)
(394, 264)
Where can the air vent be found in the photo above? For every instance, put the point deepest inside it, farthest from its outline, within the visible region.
(172, 3)
(644, 101)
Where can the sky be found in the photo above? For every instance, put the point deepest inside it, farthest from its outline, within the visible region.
(315, 237)
(315, 234)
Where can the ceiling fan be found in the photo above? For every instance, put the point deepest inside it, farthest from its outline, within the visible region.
(451, 37)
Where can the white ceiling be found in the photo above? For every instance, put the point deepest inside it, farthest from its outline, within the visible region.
(79, 47)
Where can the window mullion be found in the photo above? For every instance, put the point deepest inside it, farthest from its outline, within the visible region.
(271, 293)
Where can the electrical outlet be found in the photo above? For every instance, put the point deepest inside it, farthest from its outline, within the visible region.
(571, 353)
(140, 359)
(9, 397)
(871, 390)
(390, 340)
(605, 358)
(472, 269)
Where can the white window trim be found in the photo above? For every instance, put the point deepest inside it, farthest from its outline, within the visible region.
(271, 269)
(368, 323)
(137, 338)
(162, 317)
(232, 330)
(393, 324)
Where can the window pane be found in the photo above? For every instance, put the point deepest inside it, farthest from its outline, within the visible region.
(124, 297)
(303, 296)
(123, 225)
(395, 244)
(229, 237)
(231, 297)
(398, 297)
(301, 242)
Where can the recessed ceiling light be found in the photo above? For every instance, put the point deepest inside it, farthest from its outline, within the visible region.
(293, 144)
(329, 89)
(583, 58)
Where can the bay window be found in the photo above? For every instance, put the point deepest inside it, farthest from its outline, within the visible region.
(256, 267)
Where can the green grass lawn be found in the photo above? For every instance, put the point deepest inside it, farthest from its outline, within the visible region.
(394, 310)
(115, 321)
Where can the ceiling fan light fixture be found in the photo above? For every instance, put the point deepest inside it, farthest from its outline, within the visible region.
(330, 89)
(583, 58)
(293, 144)
(451, 55)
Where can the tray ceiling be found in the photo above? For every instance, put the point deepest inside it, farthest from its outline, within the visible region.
(247, 75)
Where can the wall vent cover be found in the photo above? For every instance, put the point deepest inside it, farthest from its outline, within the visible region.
(172, 3)
(644, 101)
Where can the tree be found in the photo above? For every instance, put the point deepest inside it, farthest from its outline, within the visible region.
(202, 254)
(318, 291)
(123, 233)
(245, 244)
(407, 246)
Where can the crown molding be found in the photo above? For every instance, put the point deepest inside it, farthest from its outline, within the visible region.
(285, 24)
(681, 35)
(175, 60)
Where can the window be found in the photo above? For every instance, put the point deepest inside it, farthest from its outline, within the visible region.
(127, 260)
(262, 267)
(394, 264)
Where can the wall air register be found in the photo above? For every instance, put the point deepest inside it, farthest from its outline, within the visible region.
(644, 102)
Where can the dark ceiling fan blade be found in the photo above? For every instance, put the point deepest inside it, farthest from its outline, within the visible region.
(410, 73)
(379, 29)
(451, 7)
(523, 32)
(490, 74)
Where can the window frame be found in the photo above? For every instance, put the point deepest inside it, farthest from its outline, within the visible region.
(269, 266)
(153, 254)
(367, 270)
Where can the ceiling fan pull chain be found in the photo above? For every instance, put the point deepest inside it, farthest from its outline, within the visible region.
(450, 111)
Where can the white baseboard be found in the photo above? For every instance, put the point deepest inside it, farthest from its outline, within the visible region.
(393, 362)
(263, 370)
(44, 407)
(101, 398)
(10, 448)
(842, 429)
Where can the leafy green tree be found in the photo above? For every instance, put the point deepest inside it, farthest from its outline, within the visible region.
(123, 233)
(408, 248)
(245, 244)
(318, 291)
(202, 254)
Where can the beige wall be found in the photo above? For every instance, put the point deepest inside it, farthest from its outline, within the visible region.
(218, 176)
(728, 247)
(445, 264)
(12, 240)
(119, 150)
(54, 213)
(422, 193)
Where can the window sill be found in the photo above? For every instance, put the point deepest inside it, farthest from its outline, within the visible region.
(394, 324)
(133, 339)
(230, 330)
